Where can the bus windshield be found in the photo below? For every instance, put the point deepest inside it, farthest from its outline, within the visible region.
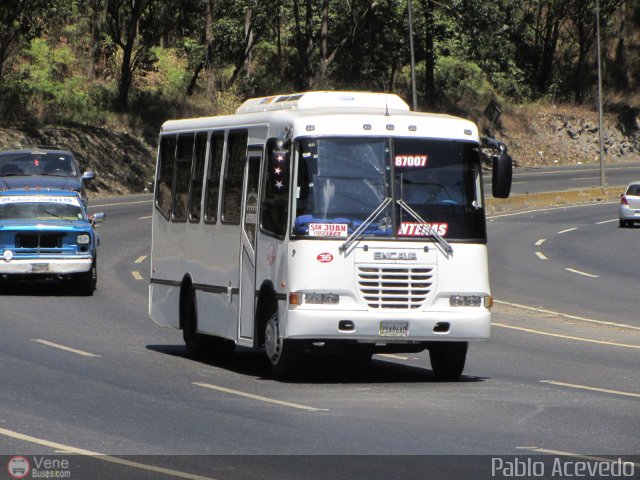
(341, 181)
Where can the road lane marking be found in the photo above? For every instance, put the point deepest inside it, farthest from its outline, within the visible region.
(261, 398)
(120, 204)
(567, 230)
(141, 259)
(575, 455)
(566, 337)
(63, 347)
(540, 242)
(145, 218)
(541, 256)
(566, 315)
(607, 221)
(592, 389)
(579, 272)
(390, 355)
(551, 209)
(100, 456)
(137, 275)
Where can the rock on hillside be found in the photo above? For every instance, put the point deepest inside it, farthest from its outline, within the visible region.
(124, 163)
(557, 135)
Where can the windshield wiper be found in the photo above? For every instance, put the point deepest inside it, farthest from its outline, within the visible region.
(358, 231)
(57, 216)
(431, 232)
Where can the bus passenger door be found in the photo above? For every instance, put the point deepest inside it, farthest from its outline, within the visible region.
(249, 231)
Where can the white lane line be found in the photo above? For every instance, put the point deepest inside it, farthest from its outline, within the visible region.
(566, 315)
(591, 389)
(567, 230)
(141, 259)
(574, 455)
(119, 204)
(137, 275)
(540, 242)
(145, 218)
(261, 398)
(566, 337)
(607, 221)
(550, 209)
(541, 256)
(101, 456)
(579, 272)
(63, 347)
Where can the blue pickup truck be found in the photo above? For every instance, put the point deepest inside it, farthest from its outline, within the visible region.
(48, 234)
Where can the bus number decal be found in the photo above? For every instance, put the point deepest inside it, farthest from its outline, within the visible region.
(411, 161)
(414, 229)
(328, 229)
(324, 257)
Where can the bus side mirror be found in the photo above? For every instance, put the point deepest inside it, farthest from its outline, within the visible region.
(88, 175)
(502, 174)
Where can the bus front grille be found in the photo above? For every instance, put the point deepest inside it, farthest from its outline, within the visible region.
(394, 287)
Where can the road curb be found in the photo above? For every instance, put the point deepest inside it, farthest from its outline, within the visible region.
(523, 202)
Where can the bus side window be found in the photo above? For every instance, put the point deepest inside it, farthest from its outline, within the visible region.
(275, 196)
(195, 192)
(184, 161)
(232, 187)
(213, 179)
(164, 186)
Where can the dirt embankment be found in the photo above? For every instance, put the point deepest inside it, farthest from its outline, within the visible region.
(123, 162)
(535, 135)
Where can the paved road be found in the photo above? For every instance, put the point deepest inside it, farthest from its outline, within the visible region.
(95, 375)
(551, 179)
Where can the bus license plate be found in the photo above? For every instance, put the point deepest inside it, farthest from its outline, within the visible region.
(394, 329)
(39, 267)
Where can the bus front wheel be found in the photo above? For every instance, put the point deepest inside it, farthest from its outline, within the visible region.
(448, 359)
(285, 355)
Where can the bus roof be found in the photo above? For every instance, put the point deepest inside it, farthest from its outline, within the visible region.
(335, 113)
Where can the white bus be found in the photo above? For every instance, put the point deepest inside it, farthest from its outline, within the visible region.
(324, 220)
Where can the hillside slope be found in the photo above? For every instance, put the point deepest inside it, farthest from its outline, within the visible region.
(535, 135)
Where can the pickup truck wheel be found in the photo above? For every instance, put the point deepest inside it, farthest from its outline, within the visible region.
(86, 282)
(448, 359)
(285, 355)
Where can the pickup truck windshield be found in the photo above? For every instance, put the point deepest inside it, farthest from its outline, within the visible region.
(40, 211)
(341, 181)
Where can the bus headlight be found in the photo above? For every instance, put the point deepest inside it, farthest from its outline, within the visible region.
(465, 300)
(83, 239)
(313, 298)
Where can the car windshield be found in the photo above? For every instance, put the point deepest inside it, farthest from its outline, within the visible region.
(40, 211)
(341, 181)
(633, 190)
(37, 163)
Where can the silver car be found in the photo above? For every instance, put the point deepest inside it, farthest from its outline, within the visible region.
(630, 205)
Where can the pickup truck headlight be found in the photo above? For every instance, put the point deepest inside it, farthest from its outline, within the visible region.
(84, 239)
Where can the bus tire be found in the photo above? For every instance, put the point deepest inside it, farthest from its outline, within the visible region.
(194, 341)
(285, 355)
(448, 359)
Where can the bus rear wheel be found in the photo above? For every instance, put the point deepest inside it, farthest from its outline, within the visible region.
(285, 355)
(448, 359)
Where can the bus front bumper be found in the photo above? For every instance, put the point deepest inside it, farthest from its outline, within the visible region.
(389, 327)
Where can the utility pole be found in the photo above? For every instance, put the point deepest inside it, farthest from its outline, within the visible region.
(413, 56)
(603, 182)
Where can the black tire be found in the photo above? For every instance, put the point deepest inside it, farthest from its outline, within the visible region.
(623, 224)
(87, 282)
(201, 346)
(448, 359)
(285, 355)
(194, 341)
